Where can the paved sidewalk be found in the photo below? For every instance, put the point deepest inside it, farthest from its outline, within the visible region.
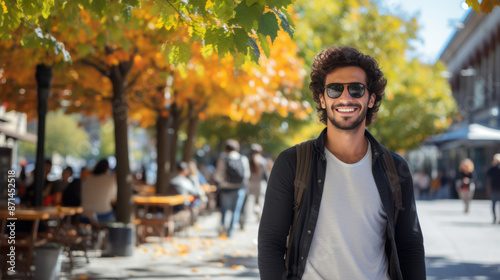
(458, 246)
(198, 253)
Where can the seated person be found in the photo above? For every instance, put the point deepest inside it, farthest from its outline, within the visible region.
(98, 192)
(71, 195)
(28, 199)
(181, 184)
(58, 187)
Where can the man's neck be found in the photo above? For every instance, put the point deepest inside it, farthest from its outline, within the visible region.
(348, 146)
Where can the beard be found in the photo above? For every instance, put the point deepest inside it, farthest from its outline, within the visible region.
(347, 123)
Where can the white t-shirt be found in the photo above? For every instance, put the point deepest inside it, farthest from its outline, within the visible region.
(349, 238)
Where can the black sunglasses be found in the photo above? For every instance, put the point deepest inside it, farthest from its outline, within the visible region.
(335, 90)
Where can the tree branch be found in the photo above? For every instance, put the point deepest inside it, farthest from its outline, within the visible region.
(126, 66)
(101, 70)
(134, 79)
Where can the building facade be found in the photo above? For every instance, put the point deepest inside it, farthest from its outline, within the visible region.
(473, 60)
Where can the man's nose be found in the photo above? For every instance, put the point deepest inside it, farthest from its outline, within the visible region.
(345, 94)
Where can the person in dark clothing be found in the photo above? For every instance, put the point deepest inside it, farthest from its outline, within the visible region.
(493, 186)
(346, 228)
(29, 197)
(71, 195)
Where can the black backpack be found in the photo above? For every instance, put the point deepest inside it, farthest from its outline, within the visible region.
(235, 170)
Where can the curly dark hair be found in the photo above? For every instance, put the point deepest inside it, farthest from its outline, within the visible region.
(335, 57)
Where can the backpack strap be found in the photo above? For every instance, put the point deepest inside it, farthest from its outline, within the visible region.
(301, 183)
(393, 176)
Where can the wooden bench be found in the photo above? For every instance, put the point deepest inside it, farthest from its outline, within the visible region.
(156, 214)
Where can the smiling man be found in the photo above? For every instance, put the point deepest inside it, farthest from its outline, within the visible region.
(347, 227)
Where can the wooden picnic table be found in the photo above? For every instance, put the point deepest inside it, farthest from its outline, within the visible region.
(24, 244)
(157, 212)
(145, 189)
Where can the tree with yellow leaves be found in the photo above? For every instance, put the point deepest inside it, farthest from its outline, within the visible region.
(96, 27)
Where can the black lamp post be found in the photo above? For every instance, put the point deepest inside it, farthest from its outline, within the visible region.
(43, 79)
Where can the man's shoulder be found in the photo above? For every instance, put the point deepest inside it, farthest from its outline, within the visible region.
(287, 157)
(397, 158)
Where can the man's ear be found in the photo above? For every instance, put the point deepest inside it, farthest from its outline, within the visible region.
(322, 100)
(371, 101)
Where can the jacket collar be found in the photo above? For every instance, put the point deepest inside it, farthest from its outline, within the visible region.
(319, 144)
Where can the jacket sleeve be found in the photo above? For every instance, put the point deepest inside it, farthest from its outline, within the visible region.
(277, 217)
(409, 240)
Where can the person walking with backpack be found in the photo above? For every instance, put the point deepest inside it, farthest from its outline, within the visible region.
(354, 215)
(231, 174)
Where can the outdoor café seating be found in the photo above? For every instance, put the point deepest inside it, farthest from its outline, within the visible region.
(157, 215)
(36, 227)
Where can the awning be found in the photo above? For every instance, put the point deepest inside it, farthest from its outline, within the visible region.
(30, 137)
(469, 135)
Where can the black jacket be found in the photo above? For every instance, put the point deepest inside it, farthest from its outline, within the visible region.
(408, 260)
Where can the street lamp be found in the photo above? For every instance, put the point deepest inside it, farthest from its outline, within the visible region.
(43, 77)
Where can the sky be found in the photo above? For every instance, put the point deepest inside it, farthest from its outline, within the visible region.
(437, 20)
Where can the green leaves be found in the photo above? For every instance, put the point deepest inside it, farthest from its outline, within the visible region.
(46, 6)
(224, 9)
(286, 21)
(247, 16)
(10, 18)
(255, 48)
(241, 40)
(264, 44)
(268, 25)
(99, 6)
(225, 25)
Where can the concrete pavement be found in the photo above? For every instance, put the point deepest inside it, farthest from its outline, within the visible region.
(458, 246)
(197, 253)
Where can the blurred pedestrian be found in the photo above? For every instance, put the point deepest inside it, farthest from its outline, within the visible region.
(445, 182)
(493, 186)
(258, 177)
(465, 183)
(99, 192)
(345, 227)
(231, 174)
(421, 182)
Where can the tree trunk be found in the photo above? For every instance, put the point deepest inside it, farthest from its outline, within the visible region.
(177, 120)
(43, 77)
(192, 129)
(162, 147)
(120, 113)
